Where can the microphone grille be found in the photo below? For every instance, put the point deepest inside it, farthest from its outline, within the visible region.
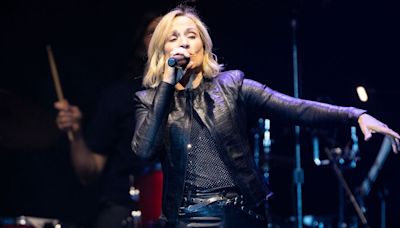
(171, 62)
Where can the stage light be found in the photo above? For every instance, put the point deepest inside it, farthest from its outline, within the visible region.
(362, 94)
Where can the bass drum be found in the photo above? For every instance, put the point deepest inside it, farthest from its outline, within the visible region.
(150, 196)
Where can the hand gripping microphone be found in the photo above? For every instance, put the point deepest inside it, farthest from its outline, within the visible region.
(178, 61)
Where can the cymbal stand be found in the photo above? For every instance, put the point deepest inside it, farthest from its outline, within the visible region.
(346, 188)
(382, 198)
(373, 173)
(262, 140)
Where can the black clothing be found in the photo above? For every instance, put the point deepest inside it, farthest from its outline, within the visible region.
(109, 132)
(205, 169)
(218, 210)
(163, 128)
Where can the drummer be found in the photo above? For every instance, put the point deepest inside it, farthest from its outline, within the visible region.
(103, 151)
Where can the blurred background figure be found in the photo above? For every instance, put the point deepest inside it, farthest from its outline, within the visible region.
(101, 152)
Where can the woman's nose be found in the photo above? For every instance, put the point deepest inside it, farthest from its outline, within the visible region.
(184, 43)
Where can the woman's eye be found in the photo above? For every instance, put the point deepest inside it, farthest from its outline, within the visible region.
(192, 36)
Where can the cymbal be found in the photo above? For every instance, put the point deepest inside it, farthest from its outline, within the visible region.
(24, 126)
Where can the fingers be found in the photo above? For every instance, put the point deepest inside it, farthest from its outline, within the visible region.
(169, 75)
(61, 105)
(363, 123)
(394, 136)
(64, 120)
(367, 133)
(395, 145)
(190, 65)
(384, 129)
(68, 117)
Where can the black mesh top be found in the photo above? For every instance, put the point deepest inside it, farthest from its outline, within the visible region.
(206, 171)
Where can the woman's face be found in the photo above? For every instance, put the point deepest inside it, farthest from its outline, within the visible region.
(185, 35)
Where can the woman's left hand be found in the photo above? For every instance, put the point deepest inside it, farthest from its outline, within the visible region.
(368, 125)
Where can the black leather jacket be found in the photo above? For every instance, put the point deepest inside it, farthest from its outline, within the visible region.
(163, 124)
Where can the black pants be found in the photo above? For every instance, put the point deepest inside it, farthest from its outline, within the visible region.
(222, 214)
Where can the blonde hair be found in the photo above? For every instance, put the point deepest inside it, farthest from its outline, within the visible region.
(156, 60)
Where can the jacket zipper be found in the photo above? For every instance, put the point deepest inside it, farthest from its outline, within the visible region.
(189, 109)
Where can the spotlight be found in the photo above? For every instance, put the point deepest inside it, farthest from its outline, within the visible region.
(362, 93)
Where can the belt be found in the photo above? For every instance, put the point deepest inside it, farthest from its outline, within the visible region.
(198, 201)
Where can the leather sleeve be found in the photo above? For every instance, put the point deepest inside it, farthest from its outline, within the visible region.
(260, 97)
(150, 113)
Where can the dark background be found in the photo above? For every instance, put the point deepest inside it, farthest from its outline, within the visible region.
(341, 44)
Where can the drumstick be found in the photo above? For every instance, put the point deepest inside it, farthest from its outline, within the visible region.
(57, 84)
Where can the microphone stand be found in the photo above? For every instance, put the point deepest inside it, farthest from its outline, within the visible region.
(298, 173)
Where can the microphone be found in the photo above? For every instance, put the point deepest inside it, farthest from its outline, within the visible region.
(178, 61)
